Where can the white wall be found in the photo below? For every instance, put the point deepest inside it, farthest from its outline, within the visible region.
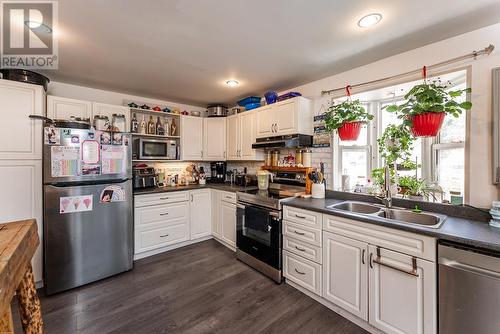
(104, 96)
(479, 171)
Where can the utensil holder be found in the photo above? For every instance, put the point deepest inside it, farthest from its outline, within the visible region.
(318, 190)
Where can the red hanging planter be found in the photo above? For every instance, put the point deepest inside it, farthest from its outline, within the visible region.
(427, 124)
(350, 131)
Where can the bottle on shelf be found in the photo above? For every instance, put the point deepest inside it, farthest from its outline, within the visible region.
(134, 126)
(142, 125)
(167, 128)
(151, 126)
(173, 127)
(160, 129)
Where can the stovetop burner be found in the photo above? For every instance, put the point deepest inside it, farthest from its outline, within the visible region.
(265, 193)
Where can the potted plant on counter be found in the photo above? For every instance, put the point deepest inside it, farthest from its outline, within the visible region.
(346, 118)
(412, 187)
(426, 106)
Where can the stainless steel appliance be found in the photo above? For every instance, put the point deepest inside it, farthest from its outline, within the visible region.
(218, 171)
(469, 290)
(88, 224)
(155, 149)
(216, 110)
(259, 220)
(289, 141)
(144, 177)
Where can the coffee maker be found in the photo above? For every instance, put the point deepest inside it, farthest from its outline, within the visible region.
(218, 171)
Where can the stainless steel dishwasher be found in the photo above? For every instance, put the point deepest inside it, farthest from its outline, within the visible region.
(469, 290)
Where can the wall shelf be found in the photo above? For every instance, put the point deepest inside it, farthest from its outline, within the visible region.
(154, 113)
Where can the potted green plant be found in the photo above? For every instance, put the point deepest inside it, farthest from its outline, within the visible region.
(426, 106)
(346, 118)
(411, 186)
(396, 143)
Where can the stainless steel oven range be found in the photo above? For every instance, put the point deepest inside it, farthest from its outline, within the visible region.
(258, 223)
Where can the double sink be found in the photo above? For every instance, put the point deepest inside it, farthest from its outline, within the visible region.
(433, 220)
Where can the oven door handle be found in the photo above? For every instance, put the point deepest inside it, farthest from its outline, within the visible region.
(274, 214)
(240, 206)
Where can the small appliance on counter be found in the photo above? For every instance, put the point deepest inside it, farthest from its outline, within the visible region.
(245, 180)
(218, 172)
(155, 149)
(144, 177)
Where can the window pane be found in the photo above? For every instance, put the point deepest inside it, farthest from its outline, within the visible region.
(354, 164)
(453, 130)
(450, 170)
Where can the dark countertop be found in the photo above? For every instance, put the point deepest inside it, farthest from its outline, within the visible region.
(464, 231)
(219, 186)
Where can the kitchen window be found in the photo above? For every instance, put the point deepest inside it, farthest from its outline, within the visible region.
(440, 159)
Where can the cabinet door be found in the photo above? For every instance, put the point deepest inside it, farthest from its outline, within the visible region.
(109, 110)
(216, 213)
(21, 137)
(247, 135)
(228, 219)
(264, 121)
(191, 138)
(64, 108)
(200, 213)
(401, 302)
(21, 198)
(345, 273)
(214, 138)
(285, 117)
(233, 137)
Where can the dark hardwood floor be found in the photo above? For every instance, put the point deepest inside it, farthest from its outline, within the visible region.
(200, 288)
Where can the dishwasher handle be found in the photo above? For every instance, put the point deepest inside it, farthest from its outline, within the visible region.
(471, 269)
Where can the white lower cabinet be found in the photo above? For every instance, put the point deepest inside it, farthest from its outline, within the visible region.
(402, 300)
(345, 273)
(216, 208)
(228, 223)
(200, 213)
(364, 270)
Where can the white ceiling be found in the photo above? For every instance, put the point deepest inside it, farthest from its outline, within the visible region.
(186, 50)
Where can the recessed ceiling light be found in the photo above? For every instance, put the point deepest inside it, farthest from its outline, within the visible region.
(39, 26)
(232, 83)
(369, 20)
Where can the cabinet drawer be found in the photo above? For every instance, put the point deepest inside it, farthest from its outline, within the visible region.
(400, 241)
(303, 249)
(161, 236)
(303, 272)
(303, 217)
(161, 213)
(229, 197)
(163, 198)
(299, 232)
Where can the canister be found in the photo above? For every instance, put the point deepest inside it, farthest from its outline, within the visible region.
(268, 159)
(307, 158)
(275, 158)
(298, 157)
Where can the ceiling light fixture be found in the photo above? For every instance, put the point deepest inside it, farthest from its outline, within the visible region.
(369, 20)
(232, 83)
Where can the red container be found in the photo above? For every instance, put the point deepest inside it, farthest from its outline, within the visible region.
(350, 131)
(427, 124)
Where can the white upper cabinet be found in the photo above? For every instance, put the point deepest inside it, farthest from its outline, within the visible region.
(200, 213)
(214, 138)
(284, 118)
(191, 132)
(401, 301)
(233, 137)
(241, 136)
(101, 109)
(345, 273)
(64, 108)
(21, 137)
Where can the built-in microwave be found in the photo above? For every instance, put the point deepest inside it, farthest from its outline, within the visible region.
(155, 149)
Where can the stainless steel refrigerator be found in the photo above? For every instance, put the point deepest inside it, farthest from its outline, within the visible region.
(88, 219)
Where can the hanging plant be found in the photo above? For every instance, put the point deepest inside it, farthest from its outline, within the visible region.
(346, 118)
(426, 106)
(396, 143)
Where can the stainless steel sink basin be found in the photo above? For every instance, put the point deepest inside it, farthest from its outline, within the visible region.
(357, 207)
(427, 219)
(433, 220)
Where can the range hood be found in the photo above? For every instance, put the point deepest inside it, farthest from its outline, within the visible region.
(290, 141)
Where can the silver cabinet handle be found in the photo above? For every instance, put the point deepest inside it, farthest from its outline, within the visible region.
(299, 272)
(413, 272)
(164, 197)
(164, 236)
(301, 217)
(363, 256)
(191, 197)
(300, 249)
(164, 214)
(299, 233)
